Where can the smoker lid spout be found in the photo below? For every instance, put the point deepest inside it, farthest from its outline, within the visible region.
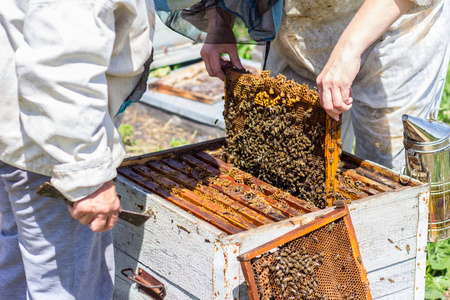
(422, 130)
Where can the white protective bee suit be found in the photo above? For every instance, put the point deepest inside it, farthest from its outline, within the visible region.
(403, 72)
(66, 69)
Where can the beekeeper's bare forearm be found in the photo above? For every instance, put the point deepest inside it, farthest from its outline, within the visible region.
(370, 22)
(216, 15)
(220, 40)
(220, 24)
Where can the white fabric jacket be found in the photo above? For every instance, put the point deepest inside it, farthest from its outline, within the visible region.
(403, 72)
(66, 67)
(311, 28)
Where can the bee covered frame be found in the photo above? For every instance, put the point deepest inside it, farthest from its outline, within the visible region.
(329, 278)
(270, 94)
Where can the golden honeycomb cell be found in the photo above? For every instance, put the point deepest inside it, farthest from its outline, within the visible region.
(275, 130)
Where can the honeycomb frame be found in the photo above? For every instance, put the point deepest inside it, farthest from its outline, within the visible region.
(318, 260)
(278, 131)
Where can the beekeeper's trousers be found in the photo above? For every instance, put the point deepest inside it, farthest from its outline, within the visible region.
(44, 252)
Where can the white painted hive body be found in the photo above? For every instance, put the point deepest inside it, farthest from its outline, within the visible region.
(196, 260)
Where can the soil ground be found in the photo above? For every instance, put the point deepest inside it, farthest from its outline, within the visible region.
(154, 130)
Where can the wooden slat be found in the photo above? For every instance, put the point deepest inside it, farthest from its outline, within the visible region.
(250, 278)
(196, 199)
(268, 189)
(298, 232)
(170, 90)
(181, 165)
(190, 183)
(375, 185)
(348, 192)
(188, 206)
(173, 174)
(376, 177)
(284, 211)
(202, 146)
(381, 171)
(332, 147)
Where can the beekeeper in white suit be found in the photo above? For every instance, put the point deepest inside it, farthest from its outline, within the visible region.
(66, 69)
(377, 59)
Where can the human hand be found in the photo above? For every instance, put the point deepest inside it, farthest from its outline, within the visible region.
(211, 54)
(335, 82)
(99, 210)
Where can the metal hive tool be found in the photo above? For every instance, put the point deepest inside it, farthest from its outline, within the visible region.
(319, 260)
(278, 132)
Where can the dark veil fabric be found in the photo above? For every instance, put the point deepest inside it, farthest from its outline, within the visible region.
(261, 17)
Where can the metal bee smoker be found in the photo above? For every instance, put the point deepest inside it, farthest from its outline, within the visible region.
(427, 148)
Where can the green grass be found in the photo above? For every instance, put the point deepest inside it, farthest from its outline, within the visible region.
(437, 279)
(127, 133)
(444, 114)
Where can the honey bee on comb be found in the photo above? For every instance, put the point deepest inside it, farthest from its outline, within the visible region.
(265, 121)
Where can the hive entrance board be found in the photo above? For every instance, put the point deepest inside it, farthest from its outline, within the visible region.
(278, 131)
(319, 260)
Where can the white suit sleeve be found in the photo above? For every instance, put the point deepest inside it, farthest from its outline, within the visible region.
(63, 91)
(420, 5)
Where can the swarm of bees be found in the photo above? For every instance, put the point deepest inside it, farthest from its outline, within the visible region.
(308, 268)
(293, 272)
(275, 130)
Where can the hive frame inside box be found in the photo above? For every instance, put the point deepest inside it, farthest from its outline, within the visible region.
(195, 260)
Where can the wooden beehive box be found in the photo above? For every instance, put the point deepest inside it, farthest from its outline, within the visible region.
(196, 260)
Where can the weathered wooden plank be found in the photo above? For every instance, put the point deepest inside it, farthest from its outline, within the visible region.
(421, 243)
(125, 289)
(400, 295)
(225, 275)
(212, 209)
(375, 185)
(194, 209)
(189, 267)
(136, 196)
(173, 242)
(393, 282)
(390, 217)
(170, 90)
(206, 191)
(390, 177)
(267, 188)
(201, 146)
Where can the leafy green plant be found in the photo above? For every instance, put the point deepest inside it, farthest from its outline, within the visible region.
(157, 148)
(437, 279)
(444, 114)
(438, 269)
(245, 50)
(245, 45)
(127, 133)
(160, 72)
(177, 142)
